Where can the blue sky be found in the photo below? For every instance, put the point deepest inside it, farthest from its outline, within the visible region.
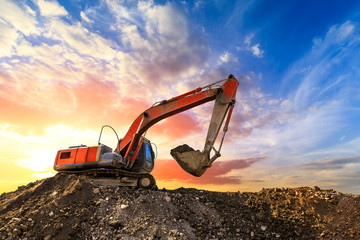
(298, 105)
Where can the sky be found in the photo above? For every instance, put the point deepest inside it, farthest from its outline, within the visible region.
(69, 67)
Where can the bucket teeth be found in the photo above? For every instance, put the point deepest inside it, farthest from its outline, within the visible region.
(193, 162)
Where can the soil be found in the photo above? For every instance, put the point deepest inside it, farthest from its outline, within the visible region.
(74, 207)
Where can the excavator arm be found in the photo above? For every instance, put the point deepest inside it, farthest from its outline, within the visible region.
(193, 162)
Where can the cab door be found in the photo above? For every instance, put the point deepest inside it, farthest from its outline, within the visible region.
(145, 159)
(149, 157)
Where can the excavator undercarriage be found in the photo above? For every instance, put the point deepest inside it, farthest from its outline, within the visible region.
(108, 176)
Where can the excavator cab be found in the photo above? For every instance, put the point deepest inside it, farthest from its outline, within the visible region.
(145, 158)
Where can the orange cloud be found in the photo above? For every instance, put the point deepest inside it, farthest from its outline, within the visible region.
(91, 104)
(218, 174)
(88, 104)
(177, 126)
(26, 118)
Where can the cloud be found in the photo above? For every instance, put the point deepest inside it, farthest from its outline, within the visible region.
(254, 110)
(253, 48)
(348, 182)
(256, 51)
(248, 39)
(91, 103)
(77, 37)
(218, 174)
(84, 17)
(337, 34)
(88, 103)
(177, 126)
(20, 18)
(317, 110)
(65, 50)
(325, 71)
(227, 57)
(8, 37)
(326, 164)
(307, 122)
(51, 8)
(172, 46)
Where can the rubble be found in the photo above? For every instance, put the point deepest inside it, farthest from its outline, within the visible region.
(73, 207)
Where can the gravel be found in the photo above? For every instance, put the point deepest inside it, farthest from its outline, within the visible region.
(73, 207)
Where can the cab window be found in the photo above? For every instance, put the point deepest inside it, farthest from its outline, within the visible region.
(148, 154)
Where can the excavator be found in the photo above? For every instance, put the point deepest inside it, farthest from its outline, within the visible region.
(133, 159)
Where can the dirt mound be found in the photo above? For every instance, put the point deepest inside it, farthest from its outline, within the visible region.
(73, 207)
(346, 222)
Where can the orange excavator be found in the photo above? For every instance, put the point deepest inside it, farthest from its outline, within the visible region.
(133, 159)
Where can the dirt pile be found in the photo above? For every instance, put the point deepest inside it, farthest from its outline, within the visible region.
(73, 207)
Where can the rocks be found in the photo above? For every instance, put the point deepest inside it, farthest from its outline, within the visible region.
(58, 226)
(47, 237)
(124, 206)
(167, 198)
(72, 207)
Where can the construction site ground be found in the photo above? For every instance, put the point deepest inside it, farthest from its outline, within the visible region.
(74, 207)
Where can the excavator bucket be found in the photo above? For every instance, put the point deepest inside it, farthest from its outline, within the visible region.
(193, 162)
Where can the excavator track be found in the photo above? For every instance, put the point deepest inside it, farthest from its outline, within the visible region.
(107, 176)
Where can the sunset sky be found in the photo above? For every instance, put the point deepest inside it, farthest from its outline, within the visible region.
(69, 67)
